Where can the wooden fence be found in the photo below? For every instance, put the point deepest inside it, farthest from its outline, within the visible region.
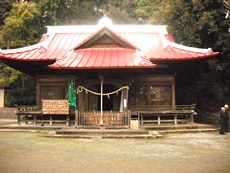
(110, 118)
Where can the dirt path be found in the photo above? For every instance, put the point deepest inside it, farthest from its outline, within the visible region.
(174, 153)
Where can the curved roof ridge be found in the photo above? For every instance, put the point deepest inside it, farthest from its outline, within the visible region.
(107, 22)
(168, 43)
(43, 45)
(117, 28)
(23, 49)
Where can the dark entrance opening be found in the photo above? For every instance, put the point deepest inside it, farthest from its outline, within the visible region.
(107, 101)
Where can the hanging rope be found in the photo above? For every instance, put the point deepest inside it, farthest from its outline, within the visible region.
(81, 88)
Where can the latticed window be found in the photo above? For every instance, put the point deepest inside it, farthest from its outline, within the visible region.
(53, 92)
(138, 95)
(141, 94)
(148, 95)
(156, 93)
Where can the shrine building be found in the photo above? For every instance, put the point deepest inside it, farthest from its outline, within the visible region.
(109, 73)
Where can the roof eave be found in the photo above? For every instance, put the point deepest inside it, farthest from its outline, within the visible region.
(186, 58)
(101, 67)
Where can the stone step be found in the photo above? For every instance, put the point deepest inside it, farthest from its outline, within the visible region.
(145, 136)
(188, 130)
(178, 127)
(38, 128)
(99, 132)
(103, 133)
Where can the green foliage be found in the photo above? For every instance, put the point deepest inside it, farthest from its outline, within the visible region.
(145, 9)
(19, 88)
(199, 24)
(5, 6)
(193, 23)
(123, 12)
(57, 12)
(21, 92)
(8, 75)
(22, 26)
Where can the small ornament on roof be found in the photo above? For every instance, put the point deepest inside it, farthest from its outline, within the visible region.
(105, 21)
(42, 47)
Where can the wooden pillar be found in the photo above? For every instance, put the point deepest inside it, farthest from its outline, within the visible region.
(142, 118)
(76, 118)
(192, 118)
(81, 101)
(122, 102)
(68, 120)
(101, 115)
(173, 96)
(158, 119)
(38, 95)
(125, 99)
(51, 120)
(19, 119)
(175, 118)
(34, 119)
(1, 97)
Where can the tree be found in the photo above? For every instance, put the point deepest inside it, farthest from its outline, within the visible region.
(122, 12)
(192, 23)
(57, 12)
(5, 7)
(8, 75)
(65, 12)
(21, 92)
(199, 24)
(22, 26)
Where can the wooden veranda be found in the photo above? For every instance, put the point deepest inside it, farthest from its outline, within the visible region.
(181, 114)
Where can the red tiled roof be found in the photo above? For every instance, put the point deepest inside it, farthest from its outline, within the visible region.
(103, 58)
(62, 46)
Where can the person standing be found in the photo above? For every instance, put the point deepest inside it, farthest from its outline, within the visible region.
(227, 117)
(222, 121)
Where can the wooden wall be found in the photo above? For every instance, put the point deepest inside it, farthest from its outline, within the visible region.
(51, 87)
(158, 91)
(152, 91)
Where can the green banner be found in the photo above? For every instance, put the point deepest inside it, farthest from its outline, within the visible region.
(72, 92)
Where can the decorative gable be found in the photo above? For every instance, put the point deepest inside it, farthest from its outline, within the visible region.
(105, 41)
(105, 38)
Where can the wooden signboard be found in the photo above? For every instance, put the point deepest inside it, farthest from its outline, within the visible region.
(55, 106)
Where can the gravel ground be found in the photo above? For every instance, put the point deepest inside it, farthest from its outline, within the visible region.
(22, 152)
(7, 121)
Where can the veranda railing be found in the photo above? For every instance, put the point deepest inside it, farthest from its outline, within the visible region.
(110, 118)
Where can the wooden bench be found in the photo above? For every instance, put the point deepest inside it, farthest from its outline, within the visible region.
(181, 114)
(50, 108)
(28, 113)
